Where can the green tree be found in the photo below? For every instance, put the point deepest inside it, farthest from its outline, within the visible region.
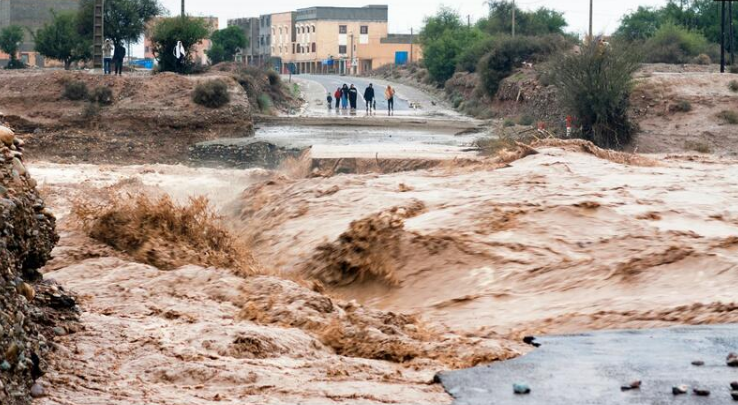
(61, 40)
(10, 40)
(540, 22)
(435, 26)
(442, 55)
(125, 20)
(640, 24)
(166, 33)
(226, 43)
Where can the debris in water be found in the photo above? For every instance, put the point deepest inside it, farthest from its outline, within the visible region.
(521, 388)
(734, 394)
(732, 360)
(698, 363)
(679, 389)
(701, 392)
(734, 386)
(531, 340)
(635, 385)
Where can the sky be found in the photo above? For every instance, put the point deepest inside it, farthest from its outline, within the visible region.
(407, 14)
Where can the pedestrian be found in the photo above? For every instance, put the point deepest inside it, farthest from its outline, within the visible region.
(369, 98)
(389, 95)
(119, 53)
(179, 55)
(344, 97)
(107, 56)
(329, 98)
(337, 96)
(353, 97)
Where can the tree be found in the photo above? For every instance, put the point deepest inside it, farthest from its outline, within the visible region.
(61, 40)
(540, 22)
(640, 25)
(166, 33)
(125, 20)
(226, 43)
(10, 40)
(445, 19)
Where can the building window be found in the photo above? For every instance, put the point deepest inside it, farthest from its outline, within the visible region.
(342, 29)
(364, 29)
(313, 29)
(342, 49)
(314, 47)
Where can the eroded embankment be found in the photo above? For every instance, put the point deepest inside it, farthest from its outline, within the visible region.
(566, 238)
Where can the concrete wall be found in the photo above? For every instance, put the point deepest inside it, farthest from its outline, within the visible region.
(32, 14)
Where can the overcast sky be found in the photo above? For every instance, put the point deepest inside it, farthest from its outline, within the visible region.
(406, 14)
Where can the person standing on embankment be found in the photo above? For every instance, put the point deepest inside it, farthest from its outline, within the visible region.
(389, 95)
(107, 56)
(369, 98)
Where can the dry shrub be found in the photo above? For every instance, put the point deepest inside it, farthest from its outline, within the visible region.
(211, 94)
(368, 250)
(698, 146)
(163, 234)
(729, 117)
(733, 86)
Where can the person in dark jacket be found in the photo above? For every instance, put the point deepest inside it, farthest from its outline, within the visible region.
(369, 98)
(118, 55)
(337, 96)
(329, 99)
(344, 97)
(353, 97)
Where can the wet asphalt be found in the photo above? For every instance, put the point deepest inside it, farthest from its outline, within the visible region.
(590, 368)
(332, 82)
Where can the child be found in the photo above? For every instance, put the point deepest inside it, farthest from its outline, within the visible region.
(329, 98)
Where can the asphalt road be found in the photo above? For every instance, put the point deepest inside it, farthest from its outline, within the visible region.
(590, 368)
(332, 82)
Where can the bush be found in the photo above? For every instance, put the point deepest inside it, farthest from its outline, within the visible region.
(702, 59)
(733, 86)
(75, 90)
(212, 94)
(526, 120)
(167, 32)
(675, 44)
(697, 146)
(594, 86)
(102, 95)
(91, 110)
(274, 78)
(733, 69)
(729, 117)
(470, 56)
(265, 102)
(507, 123)
(682, 106)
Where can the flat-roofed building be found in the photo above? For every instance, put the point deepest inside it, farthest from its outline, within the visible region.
(283, 40)
(250, 28)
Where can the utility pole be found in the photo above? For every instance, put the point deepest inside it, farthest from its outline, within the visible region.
(591, 32)
(722, 38)
(513, 18)
(183, 8)
(731, 41)
(351, 62)
(98, 34)
(412, 39)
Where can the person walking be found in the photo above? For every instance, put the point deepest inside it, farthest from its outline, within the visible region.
(329, 99)
(337, 96)
(107, 56)
(369, 98)
(353, 97)
(389, 95)
(119, 54)
(344, 97)
(179, 55)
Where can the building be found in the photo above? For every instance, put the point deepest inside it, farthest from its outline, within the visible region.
(283, 40)
(198, 53)
(32, 15)
(250, 27)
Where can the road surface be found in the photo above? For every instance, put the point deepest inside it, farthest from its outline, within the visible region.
(590, 368)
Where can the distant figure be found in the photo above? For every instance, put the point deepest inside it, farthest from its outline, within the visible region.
(337, 96)
(353, 97)
(329, 99)
(107, 56)
(118, 55)
(369, 98)
(344, 97)
(389, 95)
(179, 55)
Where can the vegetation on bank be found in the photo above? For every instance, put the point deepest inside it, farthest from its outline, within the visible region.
(10, 40)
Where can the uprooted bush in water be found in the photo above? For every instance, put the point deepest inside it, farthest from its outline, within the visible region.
(159, 232)
(594, 87)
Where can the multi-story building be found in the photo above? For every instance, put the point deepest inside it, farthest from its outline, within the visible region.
(250, 27)
(31, 15)
(283, 40)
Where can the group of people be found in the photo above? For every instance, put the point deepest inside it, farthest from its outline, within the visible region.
(113, 55)
(347, 96)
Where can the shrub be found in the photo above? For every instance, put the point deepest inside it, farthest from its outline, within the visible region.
(102, 95)
(212, 94)
(733, 69)
(526, 120)
(733, 86)
(594, 86)
(91, 110)
(682, 106)
(702, 59)
(507, 123)
(265, 102)
(274, 78)
(729, 117)
(675, 44)
(697, 146)
(75, 90)
(470, 56)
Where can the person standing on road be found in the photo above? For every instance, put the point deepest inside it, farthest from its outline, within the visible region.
(329, 99)
(353, 97)
(337, 96)
(369, 98)
(118, 55)
(344, 97)
(107, 56)
(389, 94)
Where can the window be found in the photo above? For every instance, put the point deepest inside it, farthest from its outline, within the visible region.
(364, 29)
(342, 49)
(314, 47)
(313, 29)
(280, 30)
(293, 48)
(342, 29)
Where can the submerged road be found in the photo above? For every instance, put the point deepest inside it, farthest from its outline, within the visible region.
(590, 368)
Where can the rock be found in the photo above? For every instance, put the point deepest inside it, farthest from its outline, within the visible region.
(698, 363)
(635, 385)
(18, 166)
(679, 389)
(521, 388)
(732, 360)
(5, 366)
(701, 392)
(11, 354)
(6, 136)
(26, 290)
(37, 390)
(734, 385)
(59, 331)
(734, 394)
